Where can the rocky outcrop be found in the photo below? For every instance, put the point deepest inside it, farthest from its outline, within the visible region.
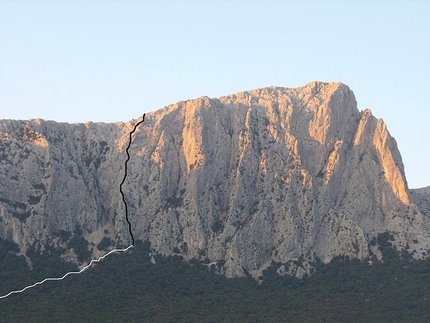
(271, 174)
(421, 198)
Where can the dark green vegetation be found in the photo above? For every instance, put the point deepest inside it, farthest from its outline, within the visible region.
(104, 244)
(128, 287)
(15, 273)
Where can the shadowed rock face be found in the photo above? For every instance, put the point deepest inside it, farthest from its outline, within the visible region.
(271, 174)
(421, 198)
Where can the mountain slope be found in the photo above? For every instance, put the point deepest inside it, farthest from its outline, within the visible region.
(271, 174)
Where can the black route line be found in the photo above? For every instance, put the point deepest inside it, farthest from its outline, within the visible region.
(125, 176)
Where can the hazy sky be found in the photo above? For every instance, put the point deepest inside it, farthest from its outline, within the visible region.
(94, 60)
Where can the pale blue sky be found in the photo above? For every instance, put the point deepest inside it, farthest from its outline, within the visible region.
(94, 60)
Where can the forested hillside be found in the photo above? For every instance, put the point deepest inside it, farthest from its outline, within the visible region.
(131, 288)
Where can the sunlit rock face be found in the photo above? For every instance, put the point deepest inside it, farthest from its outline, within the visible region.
(270, 174)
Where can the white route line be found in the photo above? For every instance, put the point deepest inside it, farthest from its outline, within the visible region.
(67, 274)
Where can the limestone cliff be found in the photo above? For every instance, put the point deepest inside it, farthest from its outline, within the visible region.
(270, 174)
(421, 198)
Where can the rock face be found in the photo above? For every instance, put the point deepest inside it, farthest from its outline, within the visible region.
(270, 174)
(421, 198)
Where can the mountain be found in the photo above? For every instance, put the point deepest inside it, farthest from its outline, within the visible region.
(273, 174)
